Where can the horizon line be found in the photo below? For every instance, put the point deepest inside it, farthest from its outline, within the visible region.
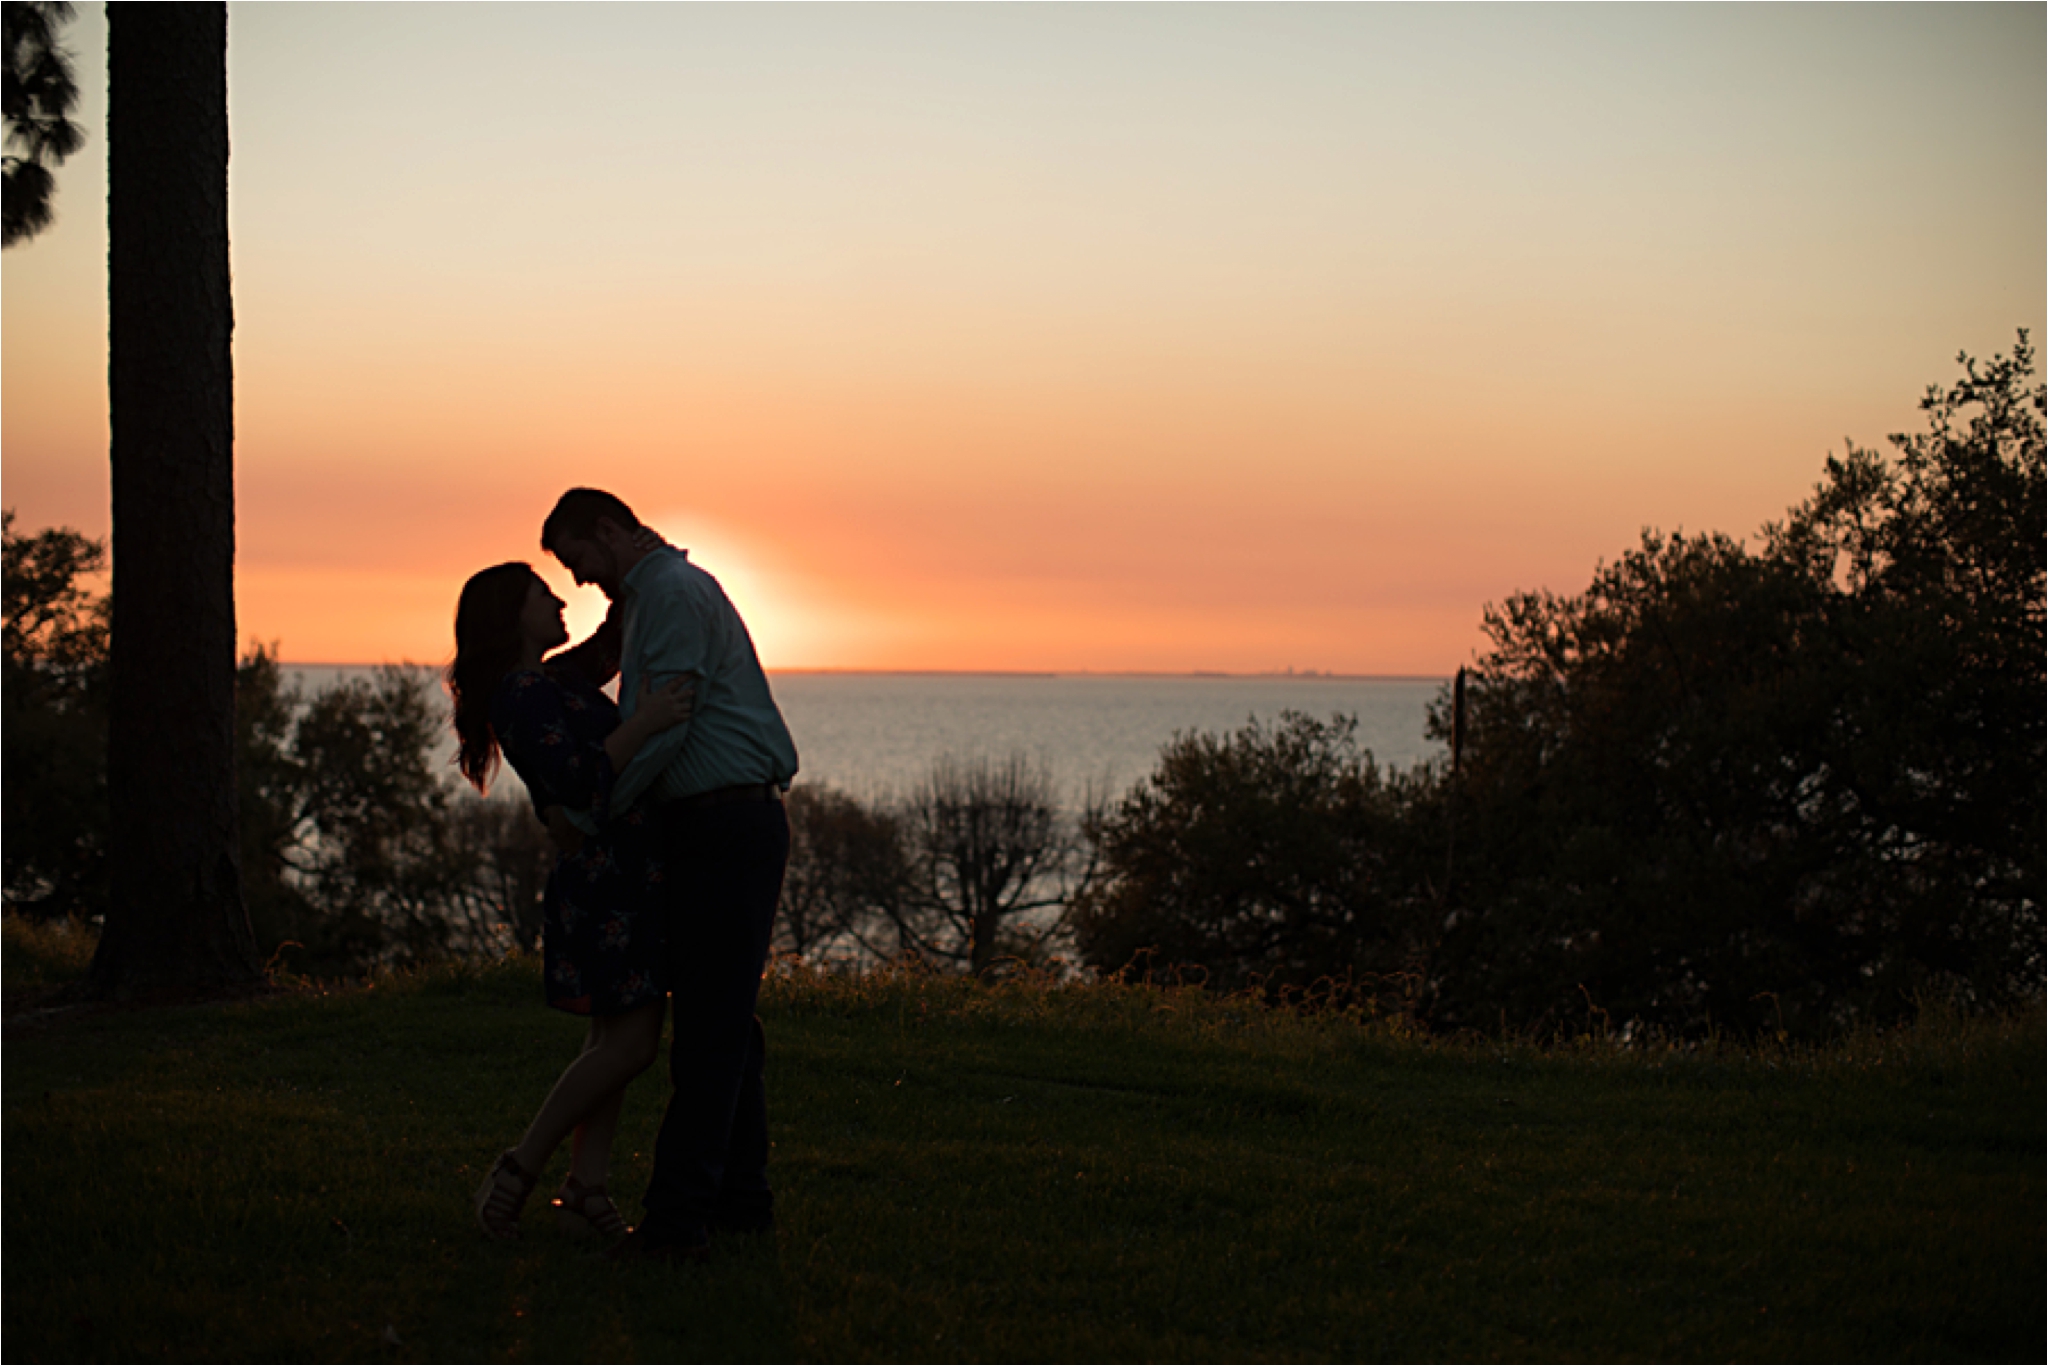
(1304, 675)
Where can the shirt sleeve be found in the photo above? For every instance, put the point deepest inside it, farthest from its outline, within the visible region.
(672, 638)
(531, 716)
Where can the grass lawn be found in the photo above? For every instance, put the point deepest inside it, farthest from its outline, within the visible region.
(1022, 1172)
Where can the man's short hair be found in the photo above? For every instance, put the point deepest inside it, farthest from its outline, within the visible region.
(576, 516)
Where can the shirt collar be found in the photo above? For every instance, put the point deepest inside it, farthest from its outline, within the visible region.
(630, 585)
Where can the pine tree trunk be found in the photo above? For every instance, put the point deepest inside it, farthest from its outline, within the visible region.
(176, 917)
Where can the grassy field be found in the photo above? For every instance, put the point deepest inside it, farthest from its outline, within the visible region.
(1022, 1172)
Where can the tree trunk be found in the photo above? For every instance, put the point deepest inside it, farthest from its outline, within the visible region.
(176, 917)
(981, 949)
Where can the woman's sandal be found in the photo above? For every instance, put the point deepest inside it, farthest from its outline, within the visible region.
(586, 1211)
(501, 1197)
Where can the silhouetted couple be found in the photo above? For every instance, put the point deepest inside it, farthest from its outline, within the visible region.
(668, 811)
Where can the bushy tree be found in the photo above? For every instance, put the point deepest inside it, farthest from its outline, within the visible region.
(368, 854)
(354, 848)
(1939, 556)
(1783, 787)
(54, 786)
(1636, 781)
(268, 779)
(1278, 855)
(498, 904)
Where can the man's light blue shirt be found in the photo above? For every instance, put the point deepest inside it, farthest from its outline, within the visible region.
(676, 620)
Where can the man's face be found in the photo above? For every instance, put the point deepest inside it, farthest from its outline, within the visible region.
(590, 561)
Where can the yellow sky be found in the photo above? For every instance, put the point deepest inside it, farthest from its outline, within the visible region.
(1048, 337)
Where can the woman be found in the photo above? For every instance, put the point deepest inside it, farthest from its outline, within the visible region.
(603, 942)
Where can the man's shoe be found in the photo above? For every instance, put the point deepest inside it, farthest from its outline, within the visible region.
(646, 1245)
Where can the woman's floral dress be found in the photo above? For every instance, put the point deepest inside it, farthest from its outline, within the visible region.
(603, 945)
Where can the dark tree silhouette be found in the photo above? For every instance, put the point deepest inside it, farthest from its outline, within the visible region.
(1272, 857)
(1790, 788)
(176, 915)
(1785, 788)
(53, 676)
(849, 878)
(39, 92)
(992, 860)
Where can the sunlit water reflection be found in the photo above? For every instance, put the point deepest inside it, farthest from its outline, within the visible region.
(876, 734)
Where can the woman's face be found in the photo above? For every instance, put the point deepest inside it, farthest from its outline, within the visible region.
(540, 621)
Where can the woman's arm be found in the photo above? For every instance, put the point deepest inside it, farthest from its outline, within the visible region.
(658, 709)
(595, 658)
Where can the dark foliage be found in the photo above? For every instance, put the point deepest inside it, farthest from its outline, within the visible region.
(1782, 788)
(848, 879)
(993, 861)
(37, 94)
(975, 866)
(355, 849)
(54, 786)
(1775, 789)
(358, 849)
(1273, 857)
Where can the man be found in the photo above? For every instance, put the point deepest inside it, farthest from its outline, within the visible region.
(715, 785)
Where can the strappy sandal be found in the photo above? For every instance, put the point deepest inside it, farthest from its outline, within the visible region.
(501, 1197)
(586, 1211)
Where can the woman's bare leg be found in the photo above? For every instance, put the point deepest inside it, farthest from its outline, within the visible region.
(590, 1147)
(592, 1088)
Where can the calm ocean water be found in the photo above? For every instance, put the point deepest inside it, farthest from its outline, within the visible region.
(875, 734)
(871, 733)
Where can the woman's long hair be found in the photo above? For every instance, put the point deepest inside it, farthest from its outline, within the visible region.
(486, 647)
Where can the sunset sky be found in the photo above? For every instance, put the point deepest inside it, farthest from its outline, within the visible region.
(1149, 338)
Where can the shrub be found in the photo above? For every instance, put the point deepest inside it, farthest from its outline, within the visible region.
(1275, 856)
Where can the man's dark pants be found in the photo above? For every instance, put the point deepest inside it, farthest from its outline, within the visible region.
(711, 1157)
